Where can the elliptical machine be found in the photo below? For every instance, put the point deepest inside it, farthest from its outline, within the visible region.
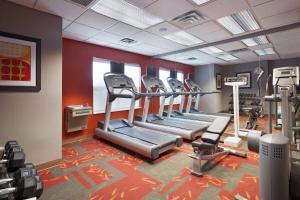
(279, 173)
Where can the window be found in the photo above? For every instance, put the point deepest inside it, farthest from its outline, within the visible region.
(180, 77)
(100, 67)
(163, 75)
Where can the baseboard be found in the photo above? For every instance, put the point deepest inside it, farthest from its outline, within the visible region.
(48, 165)
(75, 139)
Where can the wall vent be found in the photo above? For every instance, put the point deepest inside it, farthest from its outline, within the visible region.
(81, 3)
(188, 19)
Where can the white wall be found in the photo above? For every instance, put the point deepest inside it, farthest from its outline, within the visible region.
(34, 119)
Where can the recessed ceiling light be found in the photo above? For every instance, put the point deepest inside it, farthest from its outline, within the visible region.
(250, 42)
(199, 2)
(211, 50)
(228, 57)
(125, 12)
(267, 51)
(239, 22)
(184, 38)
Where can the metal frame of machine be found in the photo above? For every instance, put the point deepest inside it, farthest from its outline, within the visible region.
(146, 142)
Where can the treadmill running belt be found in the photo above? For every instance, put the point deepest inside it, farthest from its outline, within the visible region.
(186, 126)
(198, 118)
(146, 135)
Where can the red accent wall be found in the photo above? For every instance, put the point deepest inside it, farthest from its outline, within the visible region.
(78, 83)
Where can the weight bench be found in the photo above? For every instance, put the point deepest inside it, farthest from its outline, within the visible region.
(206, 148)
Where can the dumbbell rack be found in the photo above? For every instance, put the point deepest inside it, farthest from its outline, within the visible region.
(245, 100)
(18, 180)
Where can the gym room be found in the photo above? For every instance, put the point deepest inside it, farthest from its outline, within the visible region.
(150, 99)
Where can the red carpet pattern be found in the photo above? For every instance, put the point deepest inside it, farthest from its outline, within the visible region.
(95, 170)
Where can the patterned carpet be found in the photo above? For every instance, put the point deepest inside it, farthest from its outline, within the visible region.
(95, 170)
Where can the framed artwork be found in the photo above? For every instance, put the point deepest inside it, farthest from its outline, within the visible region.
(245, 76)
(20, 63)
(218, 81)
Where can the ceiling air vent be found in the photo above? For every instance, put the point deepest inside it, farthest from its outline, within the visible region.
(239, 50)
(128, 40)
(191, 58)
(189, 19)
(81, 3)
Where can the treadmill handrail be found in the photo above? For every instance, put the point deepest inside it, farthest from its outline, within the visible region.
(159, 86)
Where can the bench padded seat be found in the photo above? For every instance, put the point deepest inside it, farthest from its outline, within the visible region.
(211, 138)
(199, 145)
(219, 125)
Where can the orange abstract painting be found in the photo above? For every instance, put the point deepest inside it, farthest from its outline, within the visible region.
(15, 61)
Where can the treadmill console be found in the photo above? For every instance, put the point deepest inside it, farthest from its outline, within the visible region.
(118, 81)
(192, 86)
(151, 83)
(286, 76)
(176, 84)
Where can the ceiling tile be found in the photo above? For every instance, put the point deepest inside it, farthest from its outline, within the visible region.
(275, 7)
(215, 36)
(150, 38)
(97, 41)
(288, 48)
(96, 20)
(270, 57)
(205, 28)
(220, 8)
(61, 8)
(82, 30)
(144, 47)
(122, 29)
(163, 29)
(108, 37)
(74, 36)
(141, 4)
(247, 55)
(168, 9)
(28, 3)
(231, 46)
(284, 37)
(258, 2)
(281, 19)
(65, 23)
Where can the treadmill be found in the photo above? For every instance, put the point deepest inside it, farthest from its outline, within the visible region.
(193, 87)
(218, 123)
(179, 89)
(189, 131)
(149, 143)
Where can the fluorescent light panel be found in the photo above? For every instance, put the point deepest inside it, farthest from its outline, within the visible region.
(125, 12)
(239, 22)
(250, 42)
(227, 57)
(211, 50)
(184, 38)
(199, 2)
(267, 51)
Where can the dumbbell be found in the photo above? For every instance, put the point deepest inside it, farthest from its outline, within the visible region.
(31, 171)
(24, 184)
(13, 157)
